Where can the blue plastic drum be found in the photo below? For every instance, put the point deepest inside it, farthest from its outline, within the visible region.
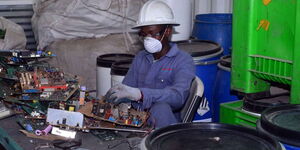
(206, 55)
(222, 92)
(290, 147)
(214, 27)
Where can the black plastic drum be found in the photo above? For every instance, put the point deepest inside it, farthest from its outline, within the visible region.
(108, 59)
(104, 63)
(208, 136)
(120, 68)
(283, 123)
(226, 61)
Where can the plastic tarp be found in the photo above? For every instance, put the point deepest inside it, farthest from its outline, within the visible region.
(14, 35)
(79, 56)
(56, 20)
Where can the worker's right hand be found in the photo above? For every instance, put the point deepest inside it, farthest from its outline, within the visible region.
(121, 93)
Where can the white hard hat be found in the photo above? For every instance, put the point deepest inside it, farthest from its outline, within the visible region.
(155, 12)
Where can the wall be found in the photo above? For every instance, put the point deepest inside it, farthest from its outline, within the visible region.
(212, 6)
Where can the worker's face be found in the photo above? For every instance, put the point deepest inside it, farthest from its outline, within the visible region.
(155, 31)
(155, 37)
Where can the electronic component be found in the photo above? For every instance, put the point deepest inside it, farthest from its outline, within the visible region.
(63, 132)
(25, 53)
(15, 53)
(64, 105)
(13, 61)
(62, 117)
(50, 83)
(94, 124)
(4, 112)
(121, 114)
(34, 78)
(30, 125)
(41, 80)
(43, 132)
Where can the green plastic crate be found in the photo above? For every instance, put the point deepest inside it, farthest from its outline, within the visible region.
(266, 37)
(232, 113)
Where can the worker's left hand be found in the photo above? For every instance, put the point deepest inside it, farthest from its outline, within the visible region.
(122, 93)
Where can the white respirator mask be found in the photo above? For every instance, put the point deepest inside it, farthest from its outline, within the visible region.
(153, 45)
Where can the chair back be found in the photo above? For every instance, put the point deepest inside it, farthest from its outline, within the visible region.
(193, 101)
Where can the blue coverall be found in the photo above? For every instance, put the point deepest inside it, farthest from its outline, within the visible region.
(164, 83)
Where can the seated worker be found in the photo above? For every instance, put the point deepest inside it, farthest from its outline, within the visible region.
(160, 76)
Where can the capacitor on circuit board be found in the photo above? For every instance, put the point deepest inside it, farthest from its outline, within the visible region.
(71, 108)
(95, 108)
(82, 95)
(101, 112)
(107, 114)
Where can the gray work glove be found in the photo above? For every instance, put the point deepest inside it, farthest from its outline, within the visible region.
(121, 93)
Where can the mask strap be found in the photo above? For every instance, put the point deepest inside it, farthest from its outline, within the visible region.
(164, 33)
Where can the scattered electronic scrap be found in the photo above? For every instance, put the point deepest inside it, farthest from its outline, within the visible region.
(31, 125)
(12, 61)
(121, 114)
(47, 100)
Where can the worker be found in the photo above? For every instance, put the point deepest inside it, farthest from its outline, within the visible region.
(160, 76)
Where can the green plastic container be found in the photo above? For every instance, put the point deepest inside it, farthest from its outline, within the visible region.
(266, 43)
(7, 142)
(232, 113)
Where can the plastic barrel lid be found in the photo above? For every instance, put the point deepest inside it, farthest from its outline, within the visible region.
(259, 105)
(199, 47)
(215, 18)
(209, 136)
(282, 122)
(120, 68)
(108, 59)
(226, 61)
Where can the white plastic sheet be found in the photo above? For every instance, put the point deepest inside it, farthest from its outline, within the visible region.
(79, 56)
(221, 6)
(14, 37)
(56, 20)
(212, 6)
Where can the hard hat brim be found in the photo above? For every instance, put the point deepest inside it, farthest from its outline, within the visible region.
(155, 23)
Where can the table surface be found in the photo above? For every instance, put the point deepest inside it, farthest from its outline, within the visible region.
(89, 141)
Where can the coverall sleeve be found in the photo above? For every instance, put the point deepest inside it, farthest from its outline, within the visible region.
(131, 77)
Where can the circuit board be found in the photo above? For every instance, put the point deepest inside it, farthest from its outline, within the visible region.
(8, 71)
(41, 79)
(31, 125)
(12, 61)
(33, 78)
(121, 114)
(47, 85)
